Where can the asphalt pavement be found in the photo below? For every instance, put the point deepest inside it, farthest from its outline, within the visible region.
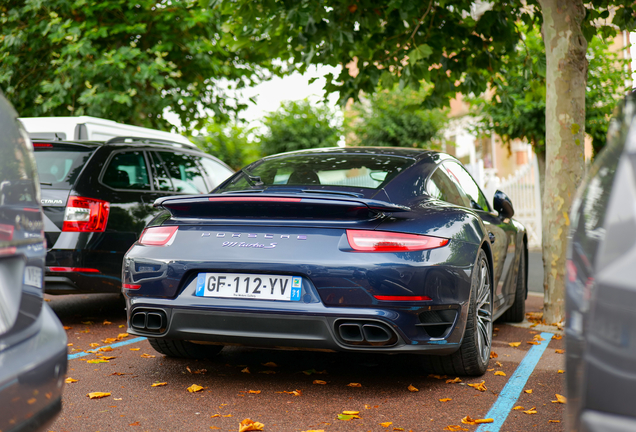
(297, 390)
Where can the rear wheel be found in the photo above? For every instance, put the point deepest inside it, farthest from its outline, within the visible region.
(517, 311)
(474, 353)
(184, 349)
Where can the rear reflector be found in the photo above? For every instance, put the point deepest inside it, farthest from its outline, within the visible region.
(384, 241)
(40, 145)
(402, 298)
(158, 236)
(85, 215)
(253, 199)
(73, 269)
(131, 286)
(6, 232)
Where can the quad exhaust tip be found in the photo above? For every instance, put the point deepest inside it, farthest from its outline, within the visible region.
(154, 321)
(366, 333)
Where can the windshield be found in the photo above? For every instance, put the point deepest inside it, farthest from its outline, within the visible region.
(58, 167)
(349, 170)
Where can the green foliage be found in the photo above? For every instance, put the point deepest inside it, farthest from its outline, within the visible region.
(392, 118)
(516, 110)
(125, 60)
(298, 126)
(442, 42)
(230, 142)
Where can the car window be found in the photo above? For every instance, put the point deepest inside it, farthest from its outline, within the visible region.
(458, 174)
(59, 165)
(216, 172)
(440, 186)
(127, 170)
(162, 180)
(184, 171)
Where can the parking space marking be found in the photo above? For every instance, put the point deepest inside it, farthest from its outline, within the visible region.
(115, 345)
(511, 391)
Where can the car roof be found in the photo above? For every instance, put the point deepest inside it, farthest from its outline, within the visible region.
(411, 153)
(118, 141)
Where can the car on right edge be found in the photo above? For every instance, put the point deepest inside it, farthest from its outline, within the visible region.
(601, 287)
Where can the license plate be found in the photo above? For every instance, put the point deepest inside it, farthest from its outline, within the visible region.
(244, 285)
(33, 276)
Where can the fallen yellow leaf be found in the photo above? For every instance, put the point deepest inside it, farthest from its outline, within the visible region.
(554, 421)
(254, 391)
(159, 384)
(468, 420)
(412, 389)
(398, 429)
(533, 342)
(529, 391)
(518, 407)
(439, 377)
(97, 395)
(386, 424)
(347, 417)
(560, 371)
(453, 381)
(480, 386)
(246, 370)
(67, 328)
(69, 344)
(215, 415)
(559, 351)
(144, 355)
(134, 349)
(499, 364)
(93, 345)
(538, 337)
(445, 399)
(488, 420)
(194, 388)
(500, 373)
(560, 399)
(270, 364)
(351, 412)
(95, 361)
(250, 425)
(514, 344)
(532, 410)
(108, 357)
(135, 424)
(214, 427)
(109, 340)
(106, 322)
(320, 382)
(557, 337)
(70, 380)
(454, 428)
(354, 385)
(107, 349)
(32, 401)
(493, 354)
(227, 415)
(121, 336)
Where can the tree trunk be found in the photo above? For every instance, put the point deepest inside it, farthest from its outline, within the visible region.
(540, 155)
(566, 74)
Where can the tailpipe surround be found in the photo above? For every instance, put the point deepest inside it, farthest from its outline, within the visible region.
(149, 320)
(365, 333)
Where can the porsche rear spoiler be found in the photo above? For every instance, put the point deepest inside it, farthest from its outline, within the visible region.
(275, 205)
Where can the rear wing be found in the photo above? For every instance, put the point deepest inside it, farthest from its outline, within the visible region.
(275, 206)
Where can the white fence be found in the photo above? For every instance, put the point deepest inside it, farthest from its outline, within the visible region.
(522, 188)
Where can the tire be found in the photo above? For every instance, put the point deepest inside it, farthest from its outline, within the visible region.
(473, 355)
(184, 349)
(517, 311)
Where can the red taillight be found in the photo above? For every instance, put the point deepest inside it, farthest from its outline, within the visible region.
(40, 145)
(254, 199)
(131, 286)
(158, 236)
(6, 232)
(402, 298)
(384, 241)
(73, 269)
(85, 215)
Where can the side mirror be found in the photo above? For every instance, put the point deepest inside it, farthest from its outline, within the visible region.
(503, 205)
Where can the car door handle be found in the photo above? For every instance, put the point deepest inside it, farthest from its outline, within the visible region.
(491, 236)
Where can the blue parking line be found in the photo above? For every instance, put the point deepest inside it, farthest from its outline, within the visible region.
(115, 345)
(511, 391)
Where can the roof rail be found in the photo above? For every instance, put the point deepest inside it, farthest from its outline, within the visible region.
(143, 140)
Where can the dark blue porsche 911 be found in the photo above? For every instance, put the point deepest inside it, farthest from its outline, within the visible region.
(354, 249)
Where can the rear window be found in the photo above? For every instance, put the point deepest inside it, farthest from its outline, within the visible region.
(59, 165)
(350, 170)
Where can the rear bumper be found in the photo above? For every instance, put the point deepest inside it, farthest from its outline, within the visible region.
(106, 278)
(32, 376)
